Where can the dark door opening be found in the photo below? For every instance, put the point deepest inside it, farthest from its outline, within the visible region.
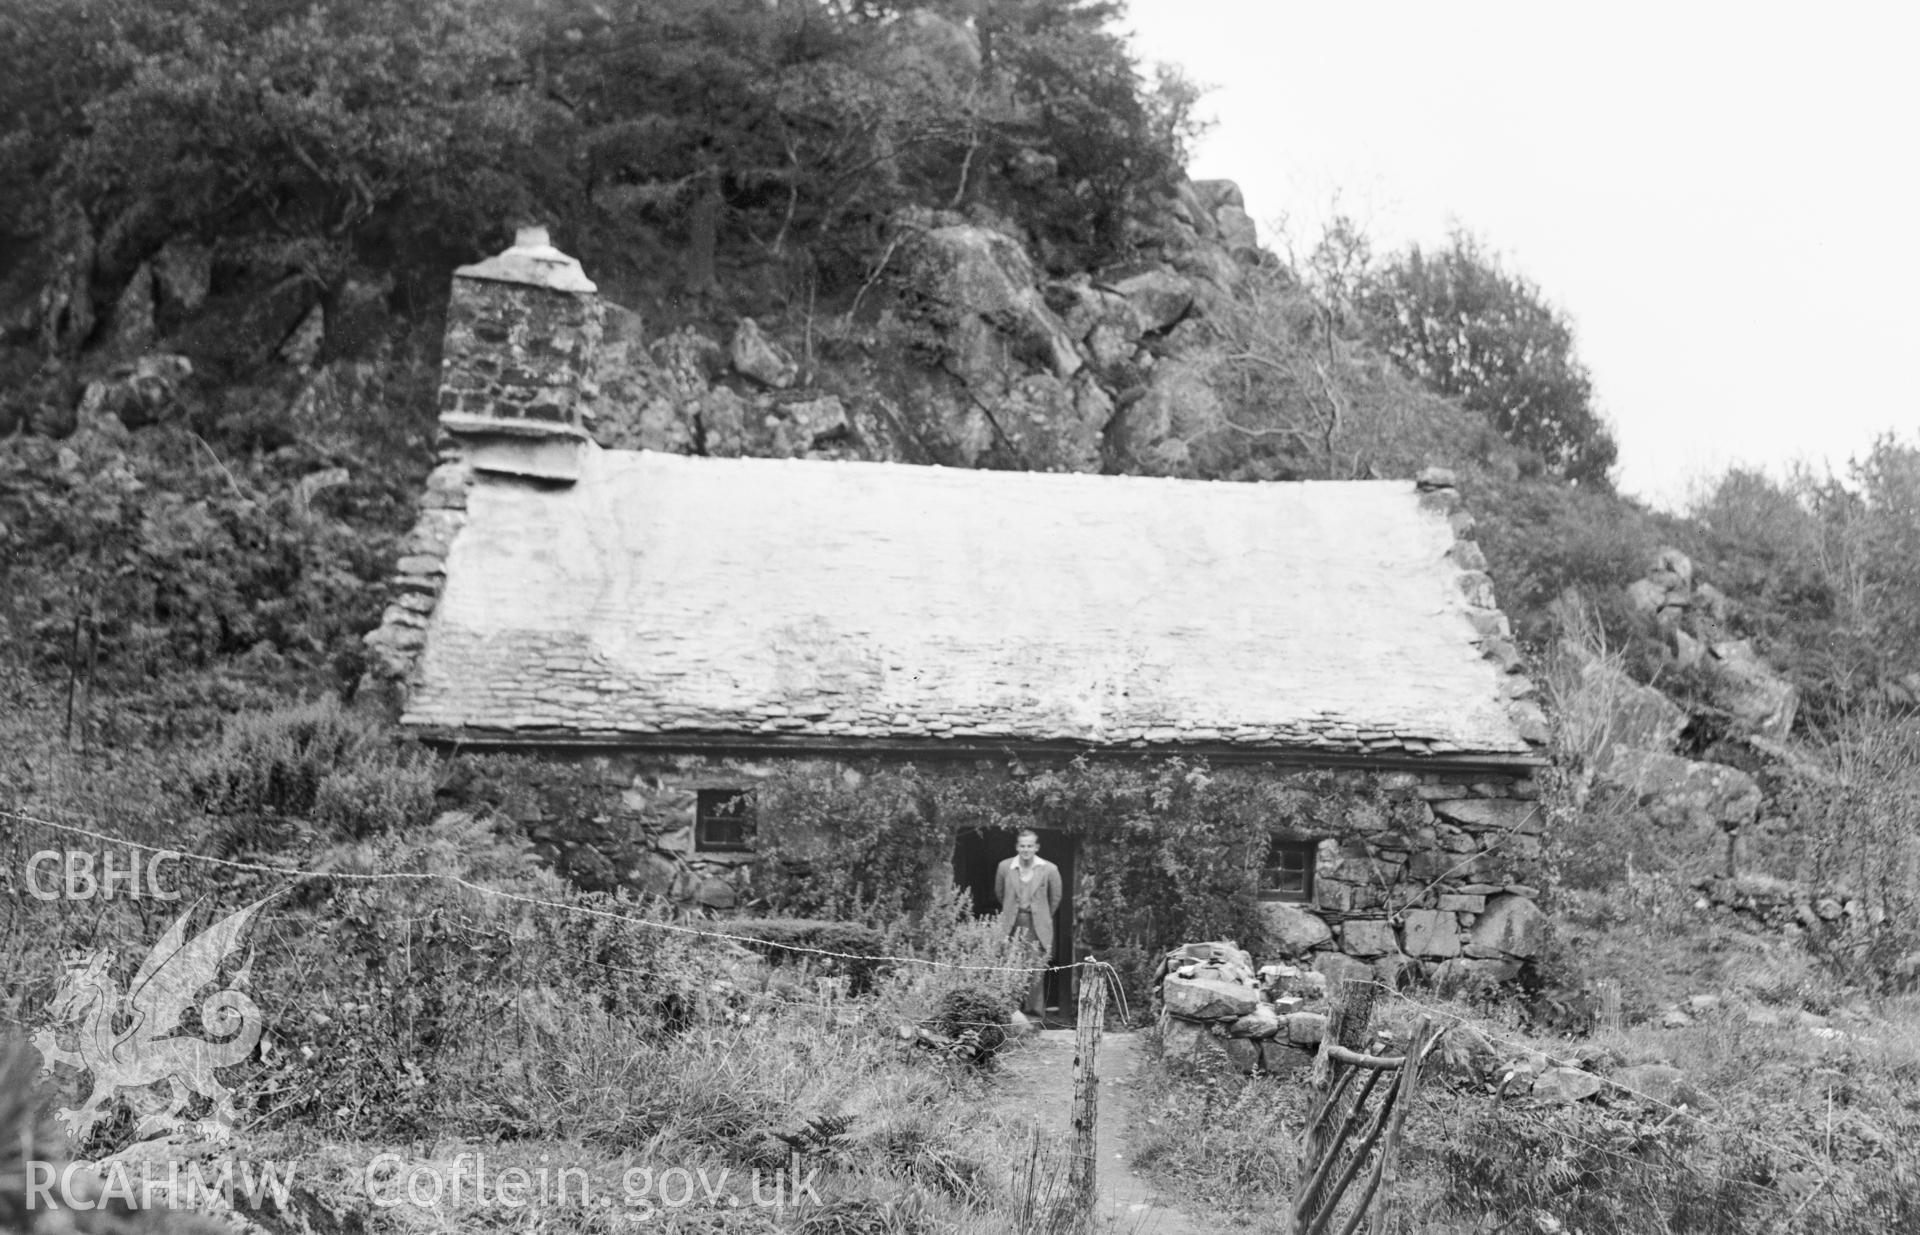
(977, 853)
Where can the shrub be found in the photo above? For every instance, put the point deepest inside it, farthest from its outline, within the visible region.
(802, 940)
(315, 762)
(360, 801)
(813, 817)
(1856, 834)
(399, 988)
(977, 1013)
(955, 955)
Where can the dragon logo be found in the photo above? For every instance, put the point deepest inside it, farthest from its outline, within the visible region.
(126, 1040)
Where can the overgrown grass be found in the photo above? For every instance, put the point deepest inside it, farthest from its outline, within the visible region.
(1774, 1128)
(433, 991)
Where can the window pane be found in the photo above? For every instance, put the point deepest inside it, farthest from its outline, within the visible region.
(1287, 874)
(723, 820)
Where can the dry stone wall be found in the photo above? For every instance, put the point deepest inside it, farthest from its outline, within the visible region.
(1217, 1010)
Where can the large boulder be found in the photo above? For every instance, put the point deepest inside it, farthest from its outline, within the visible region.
(1291, 930)
(1621, 710)
(1513, 925)
(1491, 814)
(1208, 999)
(1215, 194)
(1262, 1022)
(1747, 686)
(1190, 209)
(756, 356)
(1186, 1044)
(1105, 323)
(1566, 1085)
(975, 289)
(1367, 937)
(1160, 297)
(1681, 793)
(1237, 231)
(1431, 933)
(1158, 428)
(807, 424)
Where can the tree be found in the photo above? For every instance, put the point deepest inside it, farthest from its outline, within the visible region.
(1110, 140)
(313, 135)
(1467, 327)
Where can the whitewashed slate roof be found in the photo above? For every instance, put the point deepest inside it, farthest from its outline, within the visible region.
(836, 602)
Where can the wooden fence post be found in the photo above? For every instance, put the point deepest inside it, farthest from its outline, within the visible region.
(1349, 1013)
(1425, 1034)
(1351, 1009)
(1608, 992)
(1090, 1020)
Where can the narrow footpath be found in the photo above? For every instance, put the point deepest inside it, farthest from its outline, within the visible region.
(1037, 1080)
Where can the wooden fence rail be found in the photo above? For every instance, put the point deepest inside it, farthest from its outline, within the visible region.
(1346, 1142)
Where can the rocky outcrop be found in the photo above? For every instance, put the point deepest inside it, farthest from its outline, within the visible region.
(1748, 689)
(142, 393)
(1825, 918)
(1222, 203)
(1159, 424)
(1628, 731)
(1678, 793)
(974, 289)
(1694, 616)
(758, 357)
(183, 275)
(1081, 373)
(1625, 713)
(130, 326)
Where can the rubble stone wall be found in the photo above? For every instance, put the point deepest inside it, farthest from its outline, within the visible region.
(1216, 1009)
(1448, 878)
(1418, 874)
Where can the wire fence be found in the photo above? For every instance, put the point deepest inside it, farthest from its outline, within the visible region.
(287, 877)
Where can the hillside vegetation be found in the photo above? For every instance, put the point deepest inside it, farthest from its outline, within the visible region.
(955, 232)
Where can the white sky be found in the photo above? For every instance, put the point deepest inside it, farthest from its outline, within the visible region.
(1723, 198)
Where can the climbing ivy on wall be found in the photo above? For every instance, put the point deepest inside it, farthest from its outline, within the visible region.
(857, 843)
(1171, 847)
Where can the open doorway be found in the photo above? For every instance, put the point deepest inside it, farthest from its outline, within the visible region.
(977, 854)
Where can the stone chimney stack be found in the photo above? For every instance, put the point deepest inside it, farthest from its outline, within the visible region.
(515, 380)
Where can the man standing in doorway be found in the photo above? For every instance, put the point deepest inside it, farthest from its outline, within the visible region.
(1029, 890)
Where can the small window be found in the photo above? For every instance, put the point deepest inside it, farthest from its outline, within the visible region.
(723, 821)
(1287, 874)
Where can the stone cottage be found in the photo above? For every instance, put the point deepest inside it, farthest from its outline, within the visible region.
(684, 624)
